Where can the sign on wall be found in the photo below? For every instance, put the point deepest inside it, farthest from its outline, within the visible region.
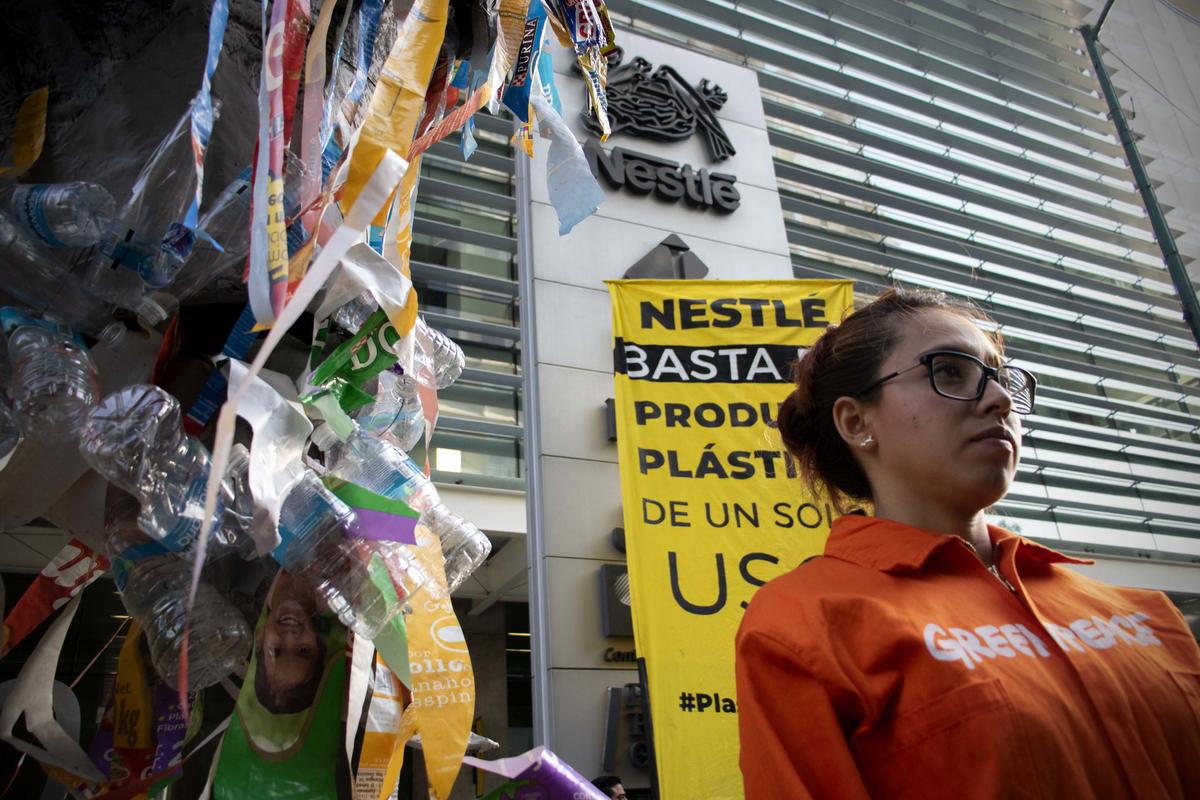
(713, 508)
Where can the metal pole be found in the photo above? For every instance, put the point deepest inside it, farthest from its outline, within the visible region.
(1158, 220)
(1100, 20)
(539, 624)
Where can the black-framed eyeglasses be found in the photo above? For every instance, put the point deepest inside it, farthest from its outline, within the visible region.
(959, 376)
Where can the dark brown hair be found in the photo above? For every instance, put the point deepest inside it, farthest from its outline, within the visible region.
(846, 358)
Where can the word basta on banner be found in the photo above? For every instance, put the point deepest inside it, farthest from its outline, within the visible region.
(712, 503)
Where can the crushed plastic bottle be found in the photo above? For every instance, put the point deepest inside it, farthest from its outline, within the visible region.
(239, 511)
(54, 381)
(220, 252)
(135, 439)
(354, 314)
(317, 544)
(74, 214)
(438, 355)
(397, 414)
(153, 584)
(149, 236)
(386, 470)
(438, 361)
(38, 277)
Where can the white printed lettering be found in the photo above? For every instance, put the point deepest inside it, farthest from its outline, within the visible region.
(991, 635)
(943, 648)
(1016, 639)
(1145, 632)
(970, 642)
(1091, 635)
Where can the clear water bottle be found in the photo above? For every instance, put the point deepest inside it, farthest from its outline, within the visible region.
(74, 214)
(438, 361)
(397, 414)
(317, 543)
(38, 277)
(439, 355)
(386, 470)
(149, 236)
(135, 439)
(54, 382)
(239, 510)
(353, 315)
(227, 223)
(153, 584)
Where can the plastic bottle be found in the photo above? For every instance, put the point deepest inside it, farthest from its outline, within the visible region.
(397, 414)
(148, 236)
(227, 222)
(135, 439)
(74, 214)
(54, 381)
(439, 354)
(153, 584)
(38, 277)
(386, 470)
(353, 315)
(317, 544)
(239, 510)
(437, 359)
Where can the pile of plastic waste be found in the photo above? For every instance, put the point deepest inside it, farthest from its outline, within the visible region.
(288, 451)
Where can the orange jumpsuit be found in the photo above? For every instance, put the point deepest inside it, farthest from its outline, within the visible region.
(897, 666)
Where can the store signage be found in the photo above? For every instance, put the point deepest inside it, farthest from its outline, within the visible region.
(659, 104)
(644, 174)
(614, 656)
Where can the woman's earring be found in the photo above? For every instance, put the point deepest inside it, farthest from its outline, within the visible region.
(867, 441)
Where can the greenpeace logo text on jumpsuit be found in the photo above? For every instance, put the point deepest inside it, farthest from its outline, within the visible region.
(971, 647)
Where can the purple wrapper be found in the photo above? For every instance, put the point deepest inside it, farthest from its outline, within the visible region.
(170, 727)
(541, 775)
(381, 526)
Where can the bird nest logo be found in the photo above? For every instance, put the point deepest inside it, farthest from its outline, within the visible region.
(660, 104)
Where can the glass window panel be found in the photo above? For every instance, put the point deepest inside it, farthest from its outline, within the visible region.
(914, 193)
(1113, 537)
(1023, 525)
(919, 221)
(899, 136)
(1004, 218)
(1178, 544)
(983, 187)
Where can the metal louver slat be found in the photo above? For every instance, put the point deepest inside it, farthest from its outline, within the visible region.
(925, 30)
(981, 280)
(941, 135)
(863, 137)
(937, 214)
(1031, 94)
(964, 194)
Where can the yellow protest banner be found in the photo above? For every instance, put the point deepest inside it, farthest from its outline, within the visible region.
(712, 505)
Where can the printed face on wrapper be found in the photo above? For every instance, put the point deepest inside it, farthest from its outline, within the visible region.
(289, 651)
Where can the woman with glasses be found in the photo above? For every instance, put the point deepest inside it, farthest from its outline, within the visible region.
(927, 653)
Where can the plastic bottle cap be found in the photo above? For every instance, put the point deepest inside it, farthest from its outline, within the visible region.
(150, 312)
(324, 436)
(112, 335)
